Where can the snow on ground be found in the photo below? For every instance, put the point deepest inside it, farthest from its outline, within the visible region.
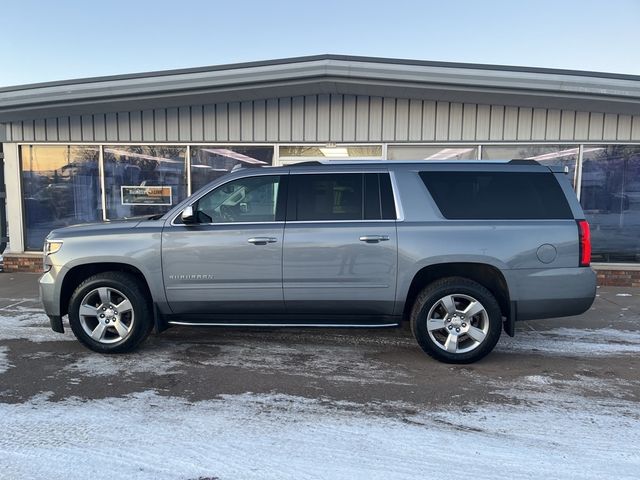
(32, 325)
(4, 361)
(283, 437)
(157, 362)
(573, 341)
(335, 362)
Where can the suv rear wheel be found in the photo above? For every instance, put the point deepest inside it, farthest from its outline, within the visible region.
(456, 320)
(109, 313)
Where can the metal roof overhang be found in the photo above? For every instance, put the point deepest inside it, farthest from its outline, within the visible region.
(484, 84)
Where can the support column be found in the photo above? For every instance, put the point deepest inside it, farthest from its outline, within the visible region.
(14, 198)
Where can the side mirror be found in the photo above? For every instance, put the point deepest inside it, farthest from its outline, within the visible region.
(188, 215)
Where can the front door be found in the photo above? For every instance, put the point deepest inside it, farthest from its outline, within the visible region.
(230, 261)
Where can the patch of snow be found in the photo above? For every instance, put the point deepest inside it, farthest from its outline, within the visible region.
(554, 392)
(538, 379)
(283, 437)
(30, 326)
(624, 295)
(573, 341)
(96, 365)
(334, 362)
(4, 361)
(21, 309)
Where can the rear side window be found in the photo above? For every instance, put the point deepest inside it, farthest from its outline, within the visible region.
(497, 195)
(340, 196)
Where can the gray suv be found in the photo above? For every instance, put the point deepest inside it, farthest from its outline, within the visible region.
(461, 250)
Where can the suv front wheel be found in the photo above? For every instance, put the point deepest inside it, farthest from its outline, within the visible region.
(456, 320)
(109, 313)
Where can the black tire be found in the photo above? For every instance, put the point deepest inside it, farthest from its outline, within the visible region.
(138, 319)
(460, 290)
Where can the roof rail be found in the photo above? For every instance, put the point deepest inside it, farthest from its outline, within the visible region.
(523, 161)
(306, 164)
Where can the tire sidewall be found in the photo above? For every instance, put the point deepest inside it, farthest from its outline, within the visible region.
(431, 295)
(141, 323)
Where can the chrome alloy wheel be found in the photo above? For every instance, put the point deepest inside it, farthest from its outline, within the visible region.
(458, 323)
(106, 315)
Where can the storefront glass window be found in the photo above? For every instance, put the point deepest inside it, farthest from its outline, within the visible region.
(551, 155)
(610, 197)
(61, 186)
(303, 153)
(211, 162)
(143, 180)
(420, 152)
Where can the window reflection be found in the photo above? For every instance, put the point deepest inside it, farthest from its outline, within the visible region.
(127, 167)
(419, 152)
(61, 183)
(610, 197)
(60, 187)
(211, 162)
(551, 155)
(301, 153)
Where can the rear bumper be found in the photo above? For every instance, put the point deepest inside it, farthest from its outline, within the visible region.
(552, 308)
(550, 293)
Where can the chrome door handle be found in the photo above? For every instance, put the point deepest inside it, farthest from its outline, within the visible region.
(262, 240)
(374, 238)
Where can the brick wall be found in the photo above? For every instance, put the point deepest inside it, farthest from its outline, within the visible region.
(618, 278)
(26, 262)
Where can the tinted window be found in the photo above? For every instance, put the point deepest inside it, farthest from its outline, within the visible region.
(372, 197)
(497, 195)
(252, 199)
(378, 197)
(328, 196)
(387, 202)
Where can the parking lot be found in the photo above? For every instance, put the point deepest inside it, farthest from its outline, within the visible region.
(560, 400)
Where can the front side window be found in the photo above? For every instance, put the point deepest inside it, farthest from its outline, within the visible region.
(252, 199)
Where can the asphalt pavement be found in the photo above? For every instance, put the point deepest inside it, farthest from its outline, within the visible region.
(581, 370)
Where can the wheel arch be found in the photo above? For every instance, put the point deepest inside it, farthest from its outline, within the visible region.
(489, 276)
(77, 274)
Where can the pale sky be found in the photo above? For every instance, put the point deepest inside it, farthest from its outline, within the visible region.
(55, 40)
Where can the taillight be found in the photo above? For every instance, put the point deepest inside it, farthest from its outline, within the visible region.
(584, 233)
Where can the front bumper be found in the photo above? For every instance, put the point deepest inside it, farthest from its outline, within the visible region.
(50, 298)
(48, 291)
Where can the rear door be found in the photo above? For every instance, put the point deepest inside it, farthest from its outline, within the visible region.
(340, 244)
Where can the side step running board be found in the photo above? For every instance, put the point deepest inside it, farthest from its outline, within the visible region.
(280, 325)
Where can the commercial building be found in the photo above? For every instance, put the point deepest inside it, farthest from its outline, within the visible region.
(94, 149)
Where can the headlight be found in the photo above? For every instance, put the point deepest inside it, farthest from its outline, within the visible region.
(51, 247)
